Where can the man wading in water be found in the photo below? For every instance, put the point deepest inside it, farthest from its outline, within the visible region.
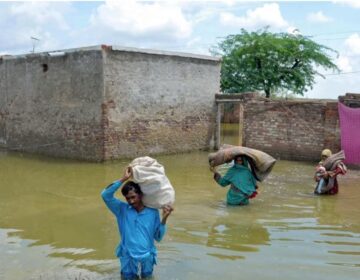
(138, 225)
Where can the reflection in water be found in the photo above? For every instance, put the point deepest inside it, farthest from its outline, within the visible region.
(21, 259)
(230, 133)
(53, 223)
(237, 237)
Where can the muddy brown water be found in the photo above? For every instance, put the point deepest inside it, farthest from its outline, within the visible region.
(54, 225)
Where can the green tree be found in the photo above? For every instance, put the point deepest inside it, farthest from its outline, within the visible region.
(268, 62)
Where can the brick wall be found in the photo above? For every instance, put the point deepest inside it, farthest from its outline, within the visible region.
(51, 104)
(158, 104)
(107, 102)
(331, 127)
(296, 130)
(290, 129)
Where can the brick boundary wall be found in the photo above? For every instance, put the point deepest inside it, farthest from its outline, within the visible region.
(292, 129)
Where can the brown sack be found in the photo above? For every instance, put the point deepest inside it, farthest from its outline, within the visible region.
(261, 163)
(332, 161)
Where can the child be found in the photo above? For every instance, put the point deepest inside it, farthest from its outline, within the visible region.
(319, 178)
(138, 225)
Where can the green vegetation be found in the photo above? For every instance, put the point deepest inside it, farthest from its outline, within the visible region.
(271, 62)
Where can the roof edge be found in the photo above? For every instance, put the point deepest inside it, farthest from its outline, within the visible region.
(114, 48)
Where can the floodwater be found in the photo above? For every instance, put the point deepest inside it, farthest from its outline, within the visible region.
(54, 225)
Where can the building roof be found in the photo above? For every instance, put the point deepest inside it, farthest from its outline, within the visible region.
(116, 48)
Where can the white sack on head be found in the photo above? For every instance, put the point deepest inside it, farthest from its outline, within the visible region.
(156, 187)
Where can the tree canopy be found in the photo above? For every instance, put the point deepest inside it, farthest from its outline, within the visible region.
(268, 62)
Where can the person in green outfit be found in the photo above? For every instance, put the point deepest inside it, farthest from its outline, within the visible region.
(241, 180)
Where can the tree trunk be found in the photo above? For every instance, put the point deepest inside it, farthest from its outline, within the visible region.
(267, 92)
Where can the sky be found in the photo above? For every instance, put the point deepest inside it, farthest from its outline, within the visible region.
(186, 26)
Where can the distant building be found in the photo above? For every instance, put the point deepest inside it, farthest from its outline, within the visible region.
(107, 102)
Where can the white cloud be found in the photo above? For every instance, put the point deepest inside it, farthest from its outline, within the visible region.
(334, 85)
(293, 30)
(352, 43)
(20, 21)
(228, 2)
(318, 17)
(348, 80)
(196, 45)
(142, 19)
(351, 3)
(343, 62)
(267, 15)
(202, 15)
(39, 13)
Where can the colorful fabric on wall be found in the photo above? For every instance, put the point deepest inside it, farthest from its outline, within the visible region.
(350, 133)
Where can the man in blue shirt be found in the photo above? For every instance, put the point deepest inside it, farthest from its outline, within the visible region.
(138, 225)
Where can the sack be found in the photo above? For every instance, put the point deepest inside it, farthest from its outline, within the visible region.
(335, 160)
(156, 187)
(261, 163)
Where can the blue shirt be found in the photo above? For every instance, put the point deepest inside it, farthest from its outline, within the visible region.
(138, 230)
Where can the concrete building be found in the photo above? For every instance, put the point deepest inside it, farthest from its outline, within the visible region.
(107, 102)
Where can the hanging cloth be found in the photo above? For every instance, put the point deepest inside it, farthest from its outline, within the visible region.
(350, 133)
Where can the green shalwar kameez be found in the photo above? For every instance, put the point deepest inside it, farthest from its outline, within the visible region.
(243, 184)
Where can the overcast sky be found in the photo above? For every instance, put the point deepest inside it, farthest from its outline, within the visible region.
(186, 26)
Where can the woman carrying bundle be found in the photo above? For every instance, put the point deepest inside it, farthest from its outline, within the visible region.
(241, 180)
(333, 164)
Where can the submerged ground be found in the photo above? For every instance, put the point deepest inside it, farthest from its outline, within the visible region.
(54, 225)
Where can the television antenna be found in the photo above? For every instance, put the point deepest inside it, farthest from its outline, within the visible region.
(34, 40)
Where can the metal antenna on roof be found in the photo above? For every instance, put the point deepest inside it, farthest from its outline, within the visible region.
(34, 41)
